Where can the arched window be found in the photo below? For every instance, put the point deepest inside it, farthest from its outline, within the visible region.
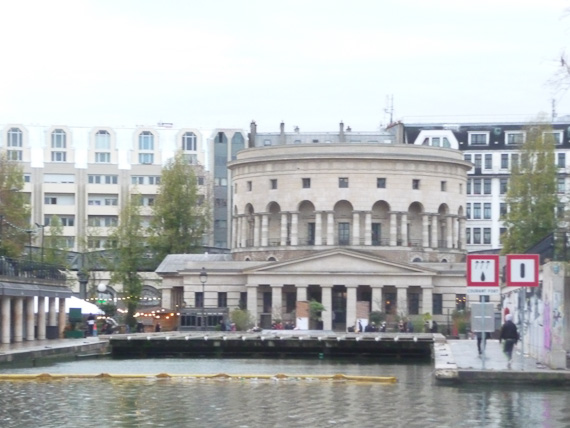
(15, 137)
(58, 139)
(102, 140)
(189, 141)
(146, 140)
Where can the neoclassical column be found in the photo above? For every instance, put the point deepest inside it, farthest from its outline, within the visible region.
(326, 297)
(449, 231)
(61, 317)
(252, 301)
(256, 229)
(462, 233)
(351, 305)
(51, 312)
(355, 228)
(393, 229)
(425, 230)
(294, 228)
(30, 318)
(277, 300)
(434, 231)
(301, 290)
(427, 300)
(283, 229)
(377, 302)
(6, 317)
(330, 228)
(243, 233)
(318, 228)
(234, 240)
(18, 319)
(404, 229)
(455, 232)
(41, 318)
(264, 229)
(368, 228)
(402, 295)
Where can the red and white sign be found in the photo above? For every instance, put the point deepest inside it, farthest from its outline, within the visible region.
(483, 270)
(522, 270)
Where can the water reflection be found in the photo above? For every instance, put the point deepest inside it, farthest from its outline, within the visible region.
(415, 401)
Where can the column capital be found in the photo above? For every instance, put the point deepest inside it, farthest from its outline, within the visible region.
(276, 285)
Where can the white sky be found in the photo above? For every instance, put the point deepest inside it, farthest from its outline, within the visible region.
(311, 63)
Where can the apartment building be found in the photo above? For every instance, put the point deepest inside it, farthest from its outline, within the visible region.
(84, 175)
(492, 148)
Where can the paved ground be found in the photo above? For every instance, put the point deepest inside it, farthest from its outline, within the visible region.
(466, 357)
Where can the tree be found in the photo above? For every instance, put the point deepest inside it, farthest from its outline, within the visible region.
(180, 212)
(531, 197)
(128, 247)
(54, 246)
(14, 212)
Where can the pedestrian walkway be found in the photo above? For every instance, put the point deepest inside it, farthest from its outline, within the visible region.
(29, 350)
(459, 361)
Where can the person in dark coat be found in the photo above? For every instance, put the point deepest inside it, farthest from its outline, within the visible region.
(480, 339)
(510, 335)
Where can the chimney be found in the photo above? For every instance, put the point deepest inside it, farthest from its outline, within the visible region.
(341, 132)
(252, 134)
(282, 139)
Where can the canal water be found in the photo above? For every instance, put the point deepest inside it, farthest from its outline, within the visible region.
(414, 401)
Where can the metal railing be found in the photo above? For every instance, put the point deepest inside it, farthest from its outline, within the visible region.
(24, 268)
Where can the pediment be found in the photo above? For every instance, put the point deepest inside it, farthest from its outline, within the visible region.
(342, 262)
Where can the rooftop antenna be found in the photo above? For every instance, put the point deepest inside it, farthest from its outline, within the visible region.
(389, 109)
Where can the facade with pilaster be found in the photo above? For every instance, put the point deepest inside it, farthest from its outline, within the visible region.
(341, 218)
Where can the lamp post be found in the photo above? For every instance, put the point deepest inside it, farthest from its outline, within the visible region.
(203, 279)
(29, 232)
(82, 277)
(42, 226)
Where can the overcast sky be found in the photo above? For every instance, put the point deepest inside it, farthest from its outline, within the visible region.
(311, 63)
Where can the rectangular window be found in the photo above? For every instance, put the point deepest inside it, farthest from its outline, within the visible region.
(50, 200)
(437, 304)
(468, 235)
(14, 155)
(555, 136)
(561, 160)
(343, 233)
(503, 209)
(487, 210)
(58, 156)
(477, 211)
(199, 299)
(102, 157)
(503, 185)
(503, 232)
(146, 158)
(487, 235)
(65, 220)
(467, 158)
(415, 184)
(476, 235)
(504, 161)
(222, 299)
(477, 186)
(306, 183)
(514, 137)
(478, 161)
(561, 186)
(343, 182)
(381, 183)
(273, 183)
(487, 186)
(469, 186)
(376, 233)
(468, 210)
(249, 186)
(478, 138)
(460, 302)
(414, 303)
(488, 161)
(137, 179)
(443, 186)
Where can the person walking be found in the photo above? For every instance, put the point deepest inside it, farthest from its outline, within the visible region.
(510, 335)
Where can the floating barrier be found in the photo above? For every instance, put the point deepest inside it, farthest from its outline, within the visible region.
(218, 376)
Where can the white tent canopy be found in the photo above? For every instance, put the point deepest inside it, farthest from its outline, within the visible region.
(73, 302)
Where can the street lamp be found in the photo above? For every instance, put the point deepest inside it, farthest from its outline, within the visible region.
(203, 279)
(82, 277)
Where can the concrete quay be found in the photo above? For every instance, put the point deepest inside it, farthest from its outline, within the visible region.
(457, 361)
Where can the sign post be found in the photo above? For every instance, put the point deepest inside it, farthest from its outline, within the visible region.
(522, 271)
(482, 280)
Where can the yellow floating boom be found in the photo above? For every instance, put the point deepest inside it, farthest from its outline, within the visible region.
(218, 376)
